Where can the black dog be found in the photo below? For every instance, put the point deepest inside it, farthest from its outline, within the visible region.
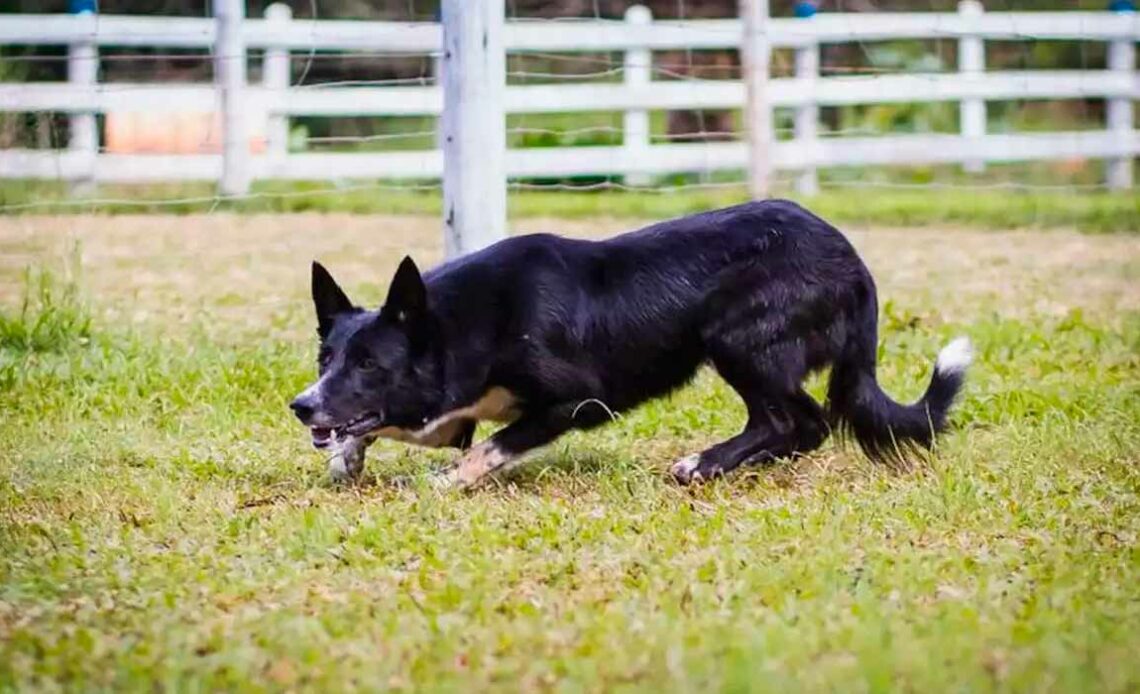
(552, 334)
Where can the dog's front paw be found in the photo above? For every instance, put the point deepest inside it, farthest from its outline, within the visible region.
(684, 471)
(341, 471)
(347, 462)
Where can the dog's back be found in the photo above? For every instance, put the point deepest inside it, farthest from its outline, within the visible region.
(632, 317)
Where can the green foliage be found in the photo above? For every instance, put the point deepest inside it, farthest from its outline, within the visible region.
(51, 316)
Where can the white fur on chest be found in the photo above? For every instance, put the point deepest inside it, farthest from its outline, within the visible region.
(497, 405)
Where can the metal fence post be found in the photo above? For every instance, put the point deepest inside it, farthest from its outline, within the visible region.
(971, 64)
(1122, 58)
(275, 79)
(230, 66)
(637, 73)
(755, 55)
(83, 140)
(807, 117)
(474, 125)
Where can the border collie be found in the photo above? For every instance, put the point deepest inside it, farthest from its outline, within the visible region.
(549, 334)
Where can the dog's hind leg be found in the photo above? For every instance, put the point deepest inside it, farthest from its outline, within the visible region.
(762, 436)
(776, 428)
(782, 419)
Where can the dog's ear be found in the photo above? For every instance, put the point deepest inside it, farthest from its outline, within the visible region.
(407, 296)
(328, 298)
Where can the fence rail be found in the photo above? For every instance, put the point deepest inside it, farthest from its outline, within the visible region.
(571, 35)
(274, 100)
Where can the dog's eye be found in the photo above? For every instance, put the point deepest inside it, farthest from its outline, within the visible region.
(368, 364)
(324, 357)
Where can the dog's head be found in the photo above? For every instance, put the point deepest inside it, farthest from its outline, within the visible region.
(377, 369)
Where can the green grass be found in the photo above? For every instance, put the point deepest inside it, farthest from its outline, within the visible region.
(163, 523)
(989, 209)
(51, 316)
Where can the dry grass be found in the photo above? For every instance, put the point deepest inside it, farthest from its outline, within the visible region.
(253, 269)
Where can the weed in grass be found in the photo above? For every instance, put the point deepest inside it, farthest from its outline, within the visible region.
(51, 316)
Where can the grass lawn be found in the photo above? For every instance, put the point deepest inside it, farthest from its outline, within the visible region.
(165, 524)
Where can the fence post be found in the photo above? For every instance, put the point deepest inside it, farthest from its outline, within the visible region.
(1121, 57)
(971, 64)
(275, 78)
(807, 117)
(229, 71)
(755, 56)
(83, 73)
(637, 73)
(474, 125)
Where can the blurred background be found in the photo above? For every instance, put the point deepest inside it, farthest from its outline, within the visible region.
(130, 131)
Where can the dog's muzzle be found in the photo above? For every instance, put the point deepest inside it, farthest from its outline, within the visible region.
(306, 407)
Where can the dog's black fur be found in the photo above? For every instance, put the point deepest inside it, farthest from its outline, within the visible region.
(766, 292)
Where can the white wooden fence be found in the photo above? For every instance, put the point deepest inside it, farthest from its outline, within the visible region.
(274, 100)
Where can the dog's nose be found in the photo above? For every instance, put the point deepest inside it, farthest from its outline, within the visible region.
(303, 408)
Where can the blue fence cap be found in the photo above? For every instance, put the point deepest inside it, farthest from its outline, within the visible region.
(804, 8)
(81, 6)
(1122, 6)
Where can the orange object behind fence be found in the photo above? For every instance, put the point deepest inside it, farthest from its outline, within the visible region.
(173, 133)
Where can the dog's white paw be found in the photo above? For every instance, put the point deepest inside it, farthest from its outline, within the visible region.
(684, 470)
(339, 470)
(347, 462)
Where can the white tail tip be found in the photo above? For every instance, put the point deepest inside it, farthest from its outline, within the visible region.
(955, 357)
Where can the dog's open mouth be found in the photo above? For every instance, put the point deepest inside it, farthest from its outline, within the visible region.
(324, 436)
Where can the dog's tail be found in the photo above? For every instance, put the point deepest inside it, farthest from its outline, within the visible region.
(884, 428)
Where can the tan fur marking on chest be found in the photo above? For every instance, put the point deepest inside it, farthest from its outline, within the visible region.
(497, 404)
